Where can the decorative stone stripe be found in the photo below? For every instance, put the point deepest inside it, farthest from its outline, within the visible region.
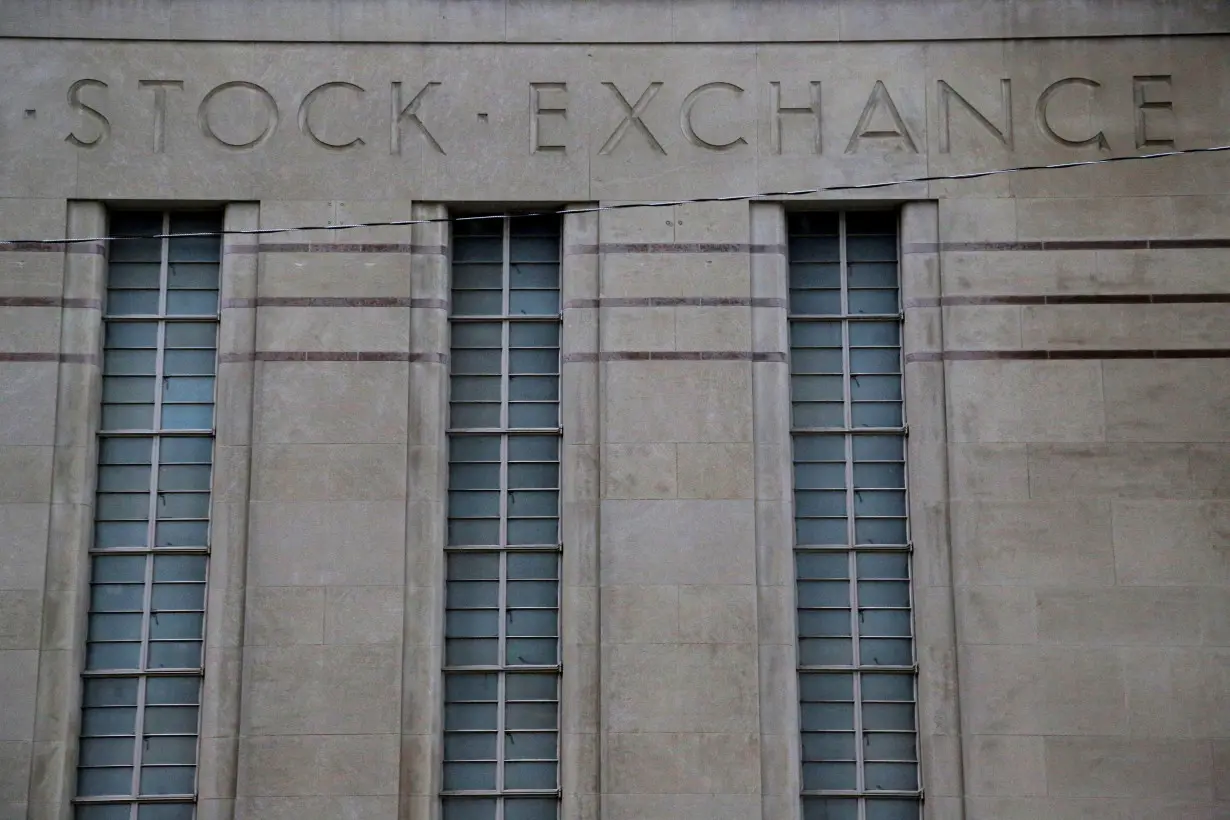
(337, 247)
(336, 301)
(89, 248)
(677, 301)
(333, 356)
(673, 247)
(1075, 299)
(63, 358)
(1071, 245)
(50, 301)
(676, 356)
(1062, 355)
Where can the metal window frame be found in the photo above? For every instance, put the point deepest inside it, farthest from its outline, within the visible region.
(852, 549)
(144, 674)
(506, 432)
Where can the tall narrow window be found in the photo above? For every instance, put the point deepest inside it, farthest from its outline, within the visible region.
(502, 654)
(852, 546)
(143, 668)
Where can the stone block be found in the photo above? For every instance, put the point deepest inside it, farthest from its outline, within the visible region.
(982, 327)
(360, 543)
(989, 470)
(284, 616)
(997, 615)
(993, 402)
(319, 765)
(1120, 616)
(1118, 327)
(638, 328)
(1122, 470)
(715, 471)
(14, 771)
(29, 329)
(708, 806)
(977, 219)
(23, 545)
(1006, 766)
(1090, 218)
(351, 807)
(713, 328)
(1209, 470)
(365, 615)
(1129, 767)
(21, 613)
(28, 402)
(640, 614)
(18, 681)
(678, 274)
(683, 542)
(331, 402)
(329, 472)
(1177, 691)
(639, 471)
(717, 614)
(367, 275)
(333, 328)
(682, 763)
(678, 401)
(1162, 543)
(1141, 397)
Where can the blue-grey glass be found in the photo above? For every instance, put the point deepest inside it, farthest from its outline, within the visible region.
(181, 505)
(176, 750)
(185, 478)
(176, 626)
(477, 276)
(480, 225)
(533, 448)
(165, 811)
(884, 593)
(110, 626)
(471, 686)
(533, 531)
(192, 302)
(875, 388)
(474, 388)
(523, 476)
(826, 652)
(181, 534)
(887, 687)
(886, 651)
(531, 808)
(470, 716)
(132, 302)
(478, 249)
(826, 716)
(815, 334)
(478, 504)
(533, 388)
(819, 502)
(191, 274)
(474, 415)
(167, 779)
(890, 746)
(532, 686)
(875, 248)
(472, 623)
(175, 691)
(128, 388)
(530, 775)
(873, 302)
(894, 777)
(533, 565)
(527, 276)
(170, 720)
(477, 335)
(109, 692)
(192, 334)
(129, 362)
(197, 248)
(875, 360)
(105, 751)
(131, 334)
(469, 776)
(186, 450)
(534, 334)
(533, 360)
(533, 502)
(897, 809)
(817, 266)
(898, 716)
(815, 360)
(819, 476)
(478, 303)
(475, 533)
(189, 362)
(879, 448)
(880, 531)
(476, 362)
(531, 746)
(113, 655)
(815, 302)
(820, 531)
(819, 448)
(179, 568)
(823, 593)
(872, 275)
(533, 248)
(534, 623)
(884, 623)
(819, 414)
(123, 506)
(532, 593)
(830, 808)
(110, 569)
(828, 746)
(116, 597)
(474, 593)
(531, 651)
(178, 597)
(469, 745)
(475, 448)
(472, 651)
(821, 565)
(824, 623)
(531, 716)
(879, 475)
(108, 720)
(533, 302)
(127, 417)
(872, 565)
(188, 389)
(468, 808)
(473, 566)
(469, 476)
(100, 782)
(879, 502)
(818, 776)
(125, 450)
(133, 275)
(525, 414)
(817, 388)
(875, 334)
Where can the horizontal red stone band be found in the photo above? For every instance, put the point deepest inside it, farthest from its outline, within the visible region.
(677, 301)
(50, 301)
(88, 248)
(1061, 355)
(337, 247)
(1070, 245)
(673, 247)
(676, 356)
(333, 356)
(336, 301)
(1076, 299)
(63, 358)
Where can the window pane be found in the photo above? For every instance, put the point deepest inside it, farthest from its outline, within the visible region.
(102, 782)
(830, 808)
(468, 808)
(106, 751)
(531, 808)
(167, 779)
(530, 775)
(165, 811)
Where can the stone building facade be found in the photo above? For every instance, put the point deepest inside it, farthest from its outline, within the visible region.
(868, 504)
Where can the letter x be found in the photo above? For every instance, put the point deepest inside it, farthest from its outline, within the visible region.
(632, 116)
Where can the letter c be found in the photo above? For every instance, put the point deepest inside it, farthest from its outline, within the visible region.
(685, 117)
(305, 108)
(1044, 100)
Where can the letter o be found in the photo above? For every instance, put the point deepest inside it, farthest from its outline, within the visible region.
(271, 109)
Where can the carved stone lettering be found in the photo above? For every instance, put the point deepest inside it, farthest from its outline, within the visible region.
(270, 105)
(775, 120)
(160, 108)
(538, 110)
(880, 98)
(1040, 112)
(74, 102)
(1004, 136)
(1144, 105)
(305, 111)
(632, 117)
(409, 113)
(685, 117)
